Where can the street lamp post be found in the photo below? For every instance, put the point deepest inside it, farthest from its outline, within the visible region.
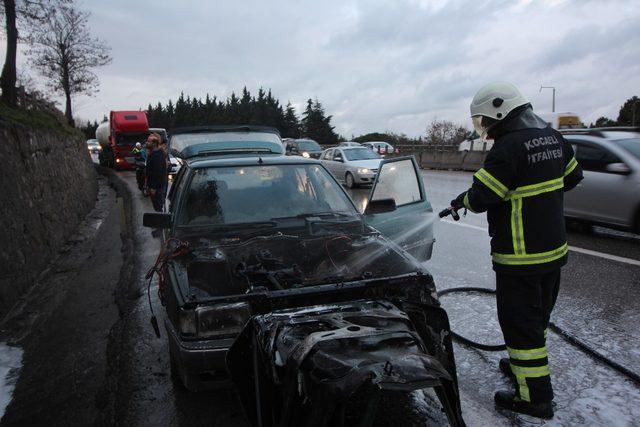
(553, 99)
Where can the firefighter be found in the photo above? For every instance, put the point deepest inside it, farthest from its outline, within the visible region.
(521, 188)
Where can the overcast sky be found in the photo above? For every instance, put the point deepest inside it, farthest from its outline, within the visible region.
(375, 65)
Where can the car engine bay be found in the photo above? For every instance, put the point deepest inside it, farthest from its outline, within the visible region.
(282, 261)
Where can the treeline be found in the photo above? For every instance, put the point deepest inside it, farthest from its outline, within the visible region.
(263, 109)
(629, 115)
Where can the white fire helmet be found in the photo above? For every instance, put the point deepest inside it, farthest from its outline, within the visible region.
(138, 145)
(495, 101)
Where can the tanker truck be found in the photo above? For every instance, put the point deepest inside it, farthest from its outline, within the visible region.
(118, 137)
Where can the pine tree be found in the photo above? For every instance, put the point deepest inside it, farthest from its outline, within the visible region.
(316, 125)
(291, 125)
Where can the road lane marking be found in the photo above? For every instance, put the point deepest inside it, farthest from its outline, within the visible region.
(606, 256)
(571, 248)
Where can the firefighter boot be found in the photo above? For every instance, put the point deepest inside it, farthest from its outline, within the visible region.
(509, 400)
(505, 368)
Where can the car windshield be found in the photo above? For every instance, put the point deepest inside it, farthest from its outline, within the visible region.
(360, 154)
(254, 194)
(309, 145)
(632, 145)
(125, 139)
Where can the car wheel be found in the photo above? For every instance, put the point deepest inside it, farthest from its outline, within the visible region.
(349, 180)
(636, 223)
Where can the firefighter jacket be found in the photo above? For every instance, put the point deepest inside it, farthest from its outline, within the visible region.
(521, 188)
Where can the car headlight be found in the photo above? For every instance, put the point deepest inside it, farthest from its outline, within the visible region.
(221, 319)
(187, 322)
(364, 170)
(305, 155)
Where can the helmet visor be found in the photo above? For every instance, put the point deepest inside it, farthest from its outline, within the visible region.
(477, 125)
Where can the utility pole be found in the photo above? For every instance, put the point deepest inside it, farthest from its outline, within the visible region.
(553, 99)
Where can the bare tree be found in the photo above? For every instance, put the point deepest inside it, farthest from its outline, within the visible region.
(444, 132)
(18, 16)
(64, 52)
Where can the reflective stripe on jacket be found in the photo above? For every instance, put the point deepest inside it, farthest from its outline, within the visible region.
(521, 187)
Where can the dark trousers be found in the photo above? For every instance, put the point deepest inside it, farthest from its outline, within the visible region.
(158, 199)
(524, 306)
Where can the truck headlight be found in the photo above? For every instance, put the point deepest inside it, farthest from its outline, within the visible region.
(305, 155)
(364, 170)
(222, 319)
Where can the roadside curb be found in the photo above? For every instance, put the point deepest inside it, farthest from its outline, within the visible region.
(126, 293)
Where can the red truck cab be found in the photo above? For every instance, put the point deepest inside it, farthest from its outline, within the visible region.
(127, 128)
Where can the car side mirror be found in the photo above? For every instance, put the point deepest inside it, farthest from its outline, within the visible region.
(157, 220)
(380, 206)
(619, 168)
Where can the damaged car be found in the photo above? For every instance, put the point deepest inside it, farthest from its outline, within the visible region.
(274, 283)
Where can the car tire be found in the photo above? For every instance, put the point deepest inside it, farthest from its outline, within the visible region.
(349, 180)
(636, 223)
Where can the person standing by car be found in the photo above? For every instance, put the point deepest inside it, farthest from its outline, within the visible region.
(140, 155)
(165, 149)
(521, 188)
(156, 172)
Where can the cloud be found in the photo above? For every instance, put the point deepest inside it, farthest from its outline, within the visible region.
(375, 65)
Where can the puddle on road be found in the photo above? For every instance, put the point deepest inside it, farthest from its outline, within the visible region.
(10, 364)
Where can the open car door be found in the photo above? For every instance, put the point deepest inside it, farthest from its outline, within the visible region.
(410, 224)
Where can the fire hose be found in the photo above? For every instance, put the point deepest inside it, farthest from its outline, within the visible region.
(571, 339)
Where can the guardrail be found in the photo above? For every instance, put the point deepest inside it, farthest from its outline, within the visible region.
(443, 156)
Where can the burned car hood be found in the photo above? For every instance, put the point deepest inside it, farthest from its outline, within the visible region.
(286, 260)
(325, 359)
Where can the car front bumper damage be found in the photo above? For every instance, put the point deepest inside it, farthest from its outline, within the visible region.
(325, 365)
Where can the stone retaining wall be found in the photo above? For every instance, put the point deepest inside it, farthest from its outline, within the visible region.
(47, 185)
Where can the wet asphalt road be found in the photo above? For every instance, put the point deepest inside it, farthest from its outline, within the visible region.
(598, 303)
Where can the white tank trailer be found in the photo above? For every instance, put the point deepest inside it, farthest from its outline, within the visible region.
(102, 133)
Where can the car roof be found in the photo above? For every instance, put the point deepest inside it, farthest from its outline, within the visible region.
(251, 160)
(224, 140)
(351, 147)
(621, 132)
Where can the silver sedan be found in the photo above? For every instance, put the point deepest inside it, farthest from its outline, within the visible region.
(352, 165)
(610, 191)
